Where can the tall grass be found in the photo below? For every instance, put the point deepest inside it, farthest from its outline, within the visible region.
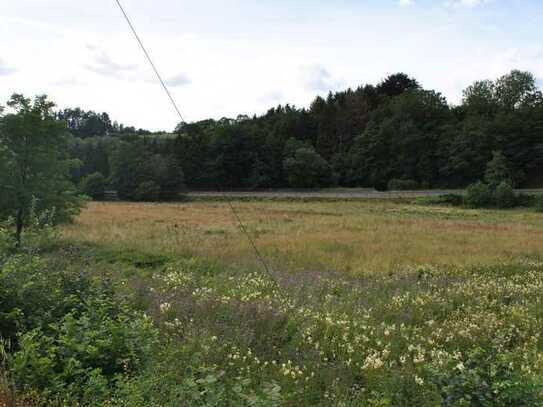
(316, 236)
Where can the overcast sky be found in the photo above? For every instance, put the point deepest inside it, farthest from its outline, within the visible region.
(229, 57)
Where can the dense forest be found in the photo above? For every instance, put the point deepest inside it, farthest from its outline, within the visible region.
(395, 134)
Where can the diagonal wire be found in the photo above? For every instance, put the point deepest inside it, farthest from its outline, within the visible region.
(242, 227)
(148, 56)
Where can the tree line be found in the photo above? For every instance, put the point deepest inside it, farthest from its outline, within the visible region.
(393, 134)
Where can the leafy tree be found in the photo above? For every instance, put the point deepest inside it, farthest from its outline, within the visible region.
(86, 124)
(147, 191)
(34, 163)
(307, 169)
(498, 171)
(516, 89)
(480, 98)
(138, 174)
(395, 85)
(94, 185)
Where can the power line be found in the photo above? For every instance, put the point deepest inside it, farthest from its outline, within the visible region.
(254, 246)
(150, 60)
(242, 227)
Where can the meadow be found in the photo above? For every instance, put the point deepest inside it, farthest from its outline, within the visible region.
(344, 236)
(369, 303)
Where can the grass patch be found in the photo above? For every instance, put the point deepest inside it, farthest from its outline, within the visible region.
(380, 235)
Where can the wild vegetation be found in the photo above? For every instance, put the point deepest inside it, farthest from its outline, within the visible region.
(395, 134)
(366, 303)
(345, 236)
(132, 314)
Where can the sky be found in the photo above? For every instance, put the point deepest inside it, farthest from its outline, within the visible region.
(221, 58)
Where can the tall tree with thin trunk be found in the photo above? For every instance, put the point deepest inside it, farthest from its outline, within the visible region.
(34, 163)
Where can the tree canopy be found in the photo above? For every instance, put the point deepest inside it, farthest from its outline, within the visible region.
(395, 130)
(34, 162)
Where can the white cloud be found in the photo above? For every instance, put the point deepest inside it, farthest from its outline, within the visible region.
(316, 78)
(104, 65)
(67, 81)
(177, 80)
(272, 97)
(5, 69)
(405, 3)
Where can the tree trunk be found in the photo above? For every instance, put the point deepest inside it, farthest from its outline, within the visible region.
(19, 227)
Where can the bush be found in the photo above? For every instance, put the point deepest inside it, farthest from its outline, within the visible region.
(498, 170)
(505, 196)
(526, 200)
(94, 185)
(147, 191)
(538, 203)
(307, 169)
(479, 195)
(403, 185)
(70, 336)
(79, 357)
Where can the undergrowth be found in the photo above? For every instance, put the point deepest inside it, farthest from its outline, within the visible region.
(90, 326)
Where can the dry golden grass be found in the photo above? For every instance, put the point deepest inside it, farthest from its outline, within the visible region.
(343, 236)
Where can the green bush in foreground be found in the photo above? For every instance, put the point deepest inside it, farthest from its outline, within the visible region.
(80, 357)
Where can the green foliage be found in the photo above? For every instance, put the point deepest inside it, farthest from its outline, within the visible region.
(94, 185)
(369, 135)
(70, 336)
(479, 195)
(486, 377)
(79, 357)
(538, 204)
(229, 337)
(498, 171)
(307, 169)
(505, 196)
(34, 163)
(137, 174)
(402, 185)
(148, 191)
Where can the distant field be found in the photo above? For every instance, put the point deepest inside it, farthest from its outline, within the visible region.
(357, 236)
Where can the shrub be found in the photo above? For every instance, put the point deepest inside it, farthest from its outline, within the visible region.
(526, 200)
(505, 196)
(307, 169)
(479, 195)
(538, 203)
(498, 170)
(7, 239)
(78, 357)
(147, 191)
(403, 185)
(94, 185)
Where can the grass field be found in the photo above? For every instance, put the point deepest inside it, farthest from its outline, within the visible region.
(356, 236)
(371, 303)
